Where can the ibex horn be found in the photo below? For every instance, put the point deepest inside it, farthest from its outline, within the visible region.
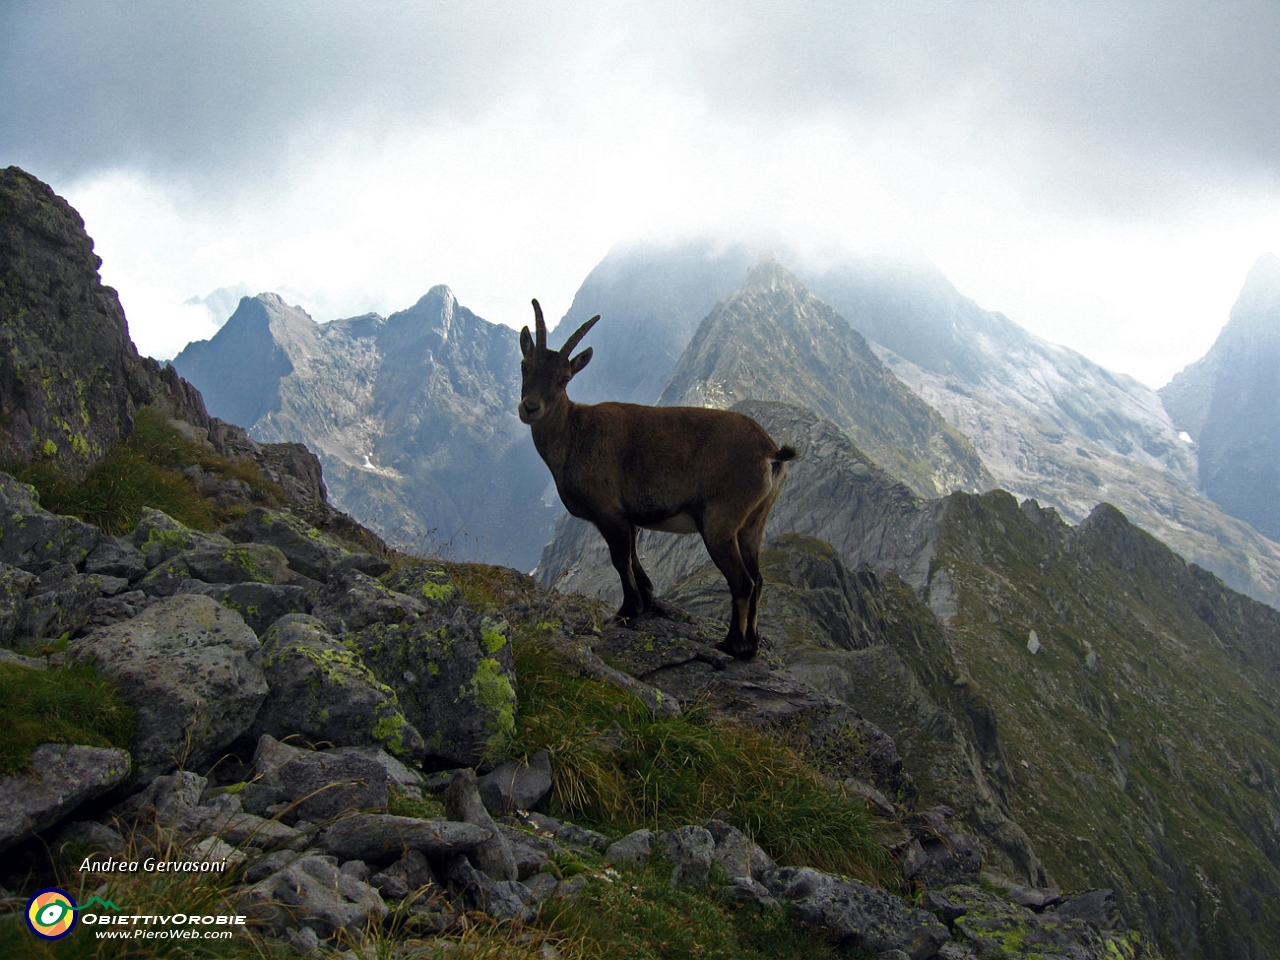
(578, 335)
(540, 326)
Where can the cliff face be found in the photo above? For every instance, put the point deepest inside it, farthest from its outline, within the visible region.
(1229, 402)
(70, 377)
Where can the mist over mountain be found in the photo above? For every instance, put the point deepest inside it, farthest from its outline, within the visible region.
(412, 416)
(650, 299)
(1229, 403)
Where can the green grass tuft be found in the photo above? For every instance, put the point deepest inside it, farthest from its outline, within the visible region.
(144, 471)
(618, 768)
(63, 705)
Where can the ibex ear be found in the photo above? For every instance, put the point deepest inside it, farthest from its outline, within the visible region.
(526, 342)
(580, 361)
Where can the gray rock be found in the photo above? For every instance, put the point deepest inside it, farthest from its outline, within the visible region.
(748, 890)
(691, 850)
(308, 550)
(738, 854)
(410, 875)
(312, 892)
(382, 839)
(318, 787)
(352, 601)
(158, 537)
(35, 539)
(62, 777)
(454, 677)
(569, 834)
(260, 604)
(366, 563)
(403, 779)
(232, 563)
(15, 584)
(59, 609)
(635, 847)
(462, 802)
(517, 786)
(116, 557)
(1095, 907)
(321, 689)
(90, 835)
(858, 916)
(192, 671)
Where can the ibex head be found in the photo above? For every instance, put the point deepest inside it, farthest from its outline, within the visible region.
(545, 373)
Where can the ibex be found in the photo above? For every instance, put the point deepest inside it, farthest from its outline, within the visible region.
(680, 469)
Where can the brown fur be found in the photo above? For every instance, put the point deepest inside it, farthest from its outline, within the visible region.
(624, 466)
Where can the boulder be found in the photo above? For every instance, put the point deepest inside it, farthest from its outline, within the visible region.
(158, 537)
(317, 787)
(691, 850)
(323, 691)
(62, 777)
(382, 838)
(192, 671)
(35, 539)
(517, 785)
(858, 916)
(738, 854)
(635, 847)
(462, 802)
(309, 551)
(454, 677)
(312, 892)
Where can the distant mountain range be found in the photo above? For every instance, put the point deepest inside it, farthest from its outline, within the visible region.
(412, 416)
(942, 393)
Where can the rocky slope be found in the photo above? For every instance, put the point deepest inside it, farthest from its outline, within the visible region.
(1082, 696)
(774, 340)
(412, 416)
(1229, 402)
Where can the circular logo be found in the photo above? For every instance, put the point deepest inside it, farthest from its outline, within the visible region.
(51, 914)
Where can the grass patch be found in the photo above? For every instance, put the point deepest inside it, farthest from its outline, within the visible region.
(618, 768)
(145, 471)
(63, 705)
(634, 913)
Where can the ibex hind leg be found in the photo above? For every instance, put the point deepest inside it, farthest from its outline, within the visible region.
(749, 538)
(643, 583)
(739, 641)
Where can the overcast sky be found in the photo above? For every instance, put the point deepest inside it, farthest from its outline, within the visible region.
(1103, 173)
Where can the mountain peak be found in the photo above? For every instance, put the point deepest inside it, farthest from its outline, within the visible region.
(767, 274)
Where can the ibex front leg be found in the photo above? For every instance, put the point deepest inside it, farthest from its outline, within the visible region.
(620, 536)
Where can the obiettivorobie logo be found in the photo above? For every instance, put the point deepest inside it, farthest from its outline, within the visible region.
(51, 913)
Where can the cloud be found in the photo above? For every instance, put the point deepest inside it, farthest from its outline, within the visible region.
(1087, 98)
(1092, 169)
